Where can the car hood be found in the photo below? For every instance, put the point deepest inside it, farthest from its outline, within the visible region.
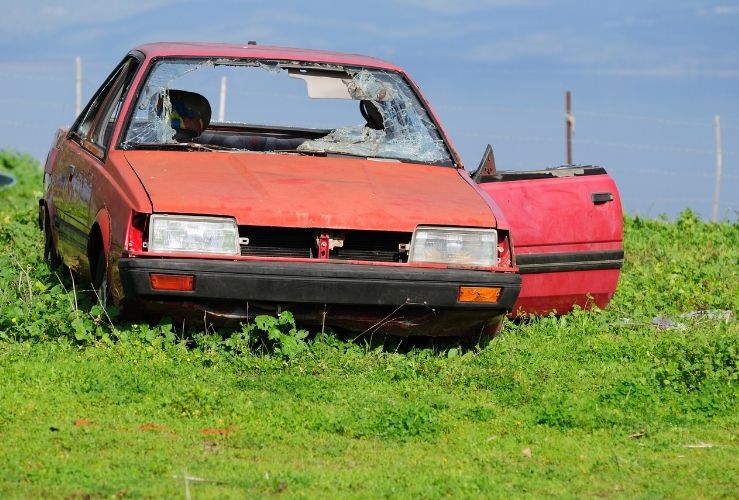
(306, 191)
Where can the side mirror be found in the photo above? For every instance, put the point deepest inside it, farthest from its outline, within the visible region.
(487, 165)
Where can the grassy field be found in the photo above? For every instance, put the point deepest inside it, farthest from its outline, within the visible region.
(595, 403)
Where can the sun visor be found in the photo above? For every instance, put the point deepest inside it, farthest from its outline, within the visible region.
(322, 84)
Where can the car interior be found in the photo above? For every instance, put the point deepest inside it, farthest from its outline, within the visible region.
(191, 113)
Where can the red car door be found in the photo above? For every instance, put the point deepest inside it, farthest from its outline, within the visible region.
(80, 160)
(567, 231)
(72, 183)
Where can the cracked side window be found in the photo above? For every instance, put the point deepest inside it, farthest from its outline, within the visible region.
(102, 129)
(95, 126)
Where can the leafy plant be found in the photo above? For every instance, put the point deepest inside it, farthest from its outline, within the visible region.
(595, 403)
(283, 337)
(689, 363)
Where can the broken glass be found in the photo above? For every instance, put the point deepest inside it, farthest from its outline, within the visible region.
(151, 123)
(396, 125)
(407, 131)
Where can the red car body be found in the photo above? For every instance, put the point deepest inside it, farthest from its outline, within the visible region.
(568, 234)
(326, 233)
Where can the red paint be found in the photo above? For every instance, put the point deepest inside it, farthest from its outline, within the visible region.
(239, 51)
(291, 190)
(559, 292)
(103, 221)
(119, 189)
(323, 248)
(559, 212)
(557, 215)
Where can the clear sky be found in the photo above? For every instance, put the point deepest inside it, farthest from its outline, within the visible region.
(647, 77)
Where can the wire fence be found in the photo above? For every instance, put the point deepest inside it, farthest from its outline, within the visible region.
(41, 113)
(671, 168)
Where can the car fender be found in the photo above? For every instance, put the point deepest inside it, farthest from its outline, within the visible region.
(59, 137)
(51, 158)
(500, 219)
(102, 219)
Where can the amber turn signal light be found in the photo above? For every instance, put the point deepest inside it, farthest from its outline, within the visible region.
(177, 282)
(478, 294)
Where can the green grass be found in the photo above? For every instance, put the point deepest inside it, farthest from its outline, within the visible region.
(596, 403)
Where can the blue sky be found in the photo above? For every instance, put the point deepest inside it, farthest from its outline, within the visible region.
(647, 77)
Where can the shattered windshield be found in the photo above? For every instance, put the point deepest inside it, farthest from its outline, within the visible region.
(282, 107)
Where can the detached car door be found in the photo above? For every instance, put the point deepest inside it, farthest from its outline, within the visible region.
(567, 232)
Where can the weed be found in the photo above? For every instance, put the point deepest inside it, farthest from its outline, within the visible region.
(595, 403)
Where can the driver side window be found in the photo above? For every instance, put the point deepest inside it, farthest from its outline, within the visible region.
(95, 128)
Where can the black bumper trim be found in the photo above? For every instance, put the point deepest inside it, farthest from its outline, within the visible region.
(569, 261)
(317, 283)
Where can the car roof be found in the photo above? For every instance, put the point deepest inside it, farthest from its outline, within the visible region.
(196, 49)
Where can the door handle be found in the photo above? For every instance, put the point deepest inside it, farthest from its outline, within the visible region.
(599, 198)
(71, 170)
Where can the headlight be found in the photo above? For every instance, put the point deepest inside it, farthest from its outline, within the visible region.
(189, 233)
(455, 245)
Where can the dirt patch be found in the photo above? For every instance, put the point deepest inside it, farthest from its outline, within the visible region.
(148, 426)
(210, 431)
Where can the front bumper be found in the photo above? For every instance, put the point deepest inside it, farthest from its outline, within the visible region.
(408, 300)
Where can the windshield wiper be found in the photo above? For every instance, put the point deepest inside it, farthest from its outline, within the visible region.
(319, 152)
(307, 152)
(169, 146)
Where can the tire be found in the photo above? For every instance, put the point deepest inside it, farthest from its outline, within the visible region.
(100, 283)
(51, 255)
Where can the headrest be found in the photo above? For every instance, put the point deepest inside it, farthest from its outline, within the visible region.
(371, 114)
(190, 113)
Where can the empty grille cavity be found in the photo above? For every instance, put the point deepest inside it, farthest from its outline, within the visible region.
(374, 246)
(276, 241)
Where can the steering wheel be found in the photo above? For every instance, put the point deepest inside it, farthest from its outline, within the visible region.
(371, 114)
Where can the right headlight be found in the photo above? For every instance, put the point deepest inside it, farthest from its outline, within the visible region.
(455, 245)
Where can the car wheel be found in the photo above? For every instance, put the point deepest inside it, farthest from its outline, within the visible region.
(100, 279)
(51, 255)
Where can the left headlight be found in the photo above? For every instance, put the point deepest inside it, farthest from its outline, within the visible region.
(197, 234)
(455, 245)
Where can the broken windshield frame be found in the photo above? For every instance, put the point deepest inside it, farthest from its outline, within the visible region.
(404, 130)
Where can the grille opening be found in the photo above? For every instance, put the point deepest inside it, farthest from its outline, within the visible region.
(375, 246)
(276, 241)
(379, 246)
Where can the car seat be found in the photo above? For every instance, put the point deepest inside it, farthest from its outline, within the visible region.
(189, 115)
(371, 114)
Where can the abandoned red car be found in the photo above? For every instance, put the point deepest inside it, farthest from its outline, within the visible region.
(324, 185)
